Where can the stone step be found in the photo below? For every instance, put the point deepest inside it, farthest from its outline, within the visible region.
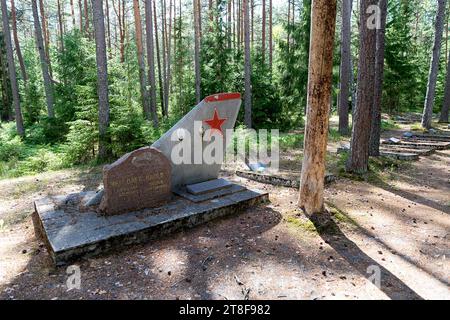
(208, 186)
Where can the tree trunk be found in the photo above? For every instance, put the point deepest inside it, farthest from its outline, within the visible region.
(86, 18)
(375, 128)
(263, 37)
(323, 23)
(252, 19)
(5, 113)
(247, 68)
(445, 106)
(48, 85)
(345, 66)
(434, 66)
(164, 52)
(108, 24)
(288, 25)
(60, 22)
(46, 34)
(102, 79)
(80, 10)
(158, 61)
(239, 24)
(17, 43)
(169, 58)
(229, 13)
(151, 59)
(197, 52)
(12, 70)
(72, 11)
(270, 35)
(145, 97)
(359, 153)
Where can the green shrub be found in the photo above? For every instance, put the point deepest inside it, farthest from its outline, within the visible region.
(11, 149)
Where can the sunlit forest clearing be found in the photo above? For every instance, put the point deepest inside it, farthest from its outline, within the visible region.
(364, 141)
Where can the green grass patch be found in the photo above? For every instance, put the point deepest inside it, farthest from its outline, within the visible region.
(301, 224)
(389, 125)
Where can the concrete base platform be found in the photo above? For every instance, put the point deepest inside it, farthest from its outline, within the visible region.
(72, 232)
(279, 180)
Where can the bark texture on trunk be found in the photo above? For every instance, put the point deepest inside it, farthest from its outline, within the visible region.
(270, 34)
(443, 118)
(323, 23)
(17, 43)
(434, 66)
(48, 84)
(158, 60)
(375, 127)
(145, 97)
(345, 66)
(247, 68)
(12, 70)
(102, 78)
(359, 153)
(263, 31)
(197, 51)
(151, 59)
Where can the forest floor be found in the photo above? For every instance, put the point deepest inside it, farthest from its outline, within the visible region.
(397, 222)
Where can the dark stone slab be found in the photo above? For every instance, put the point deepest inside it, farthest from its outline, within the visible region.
(275, 180)
(208, 186)
(70, 234)
(140, 179)
(210, 195)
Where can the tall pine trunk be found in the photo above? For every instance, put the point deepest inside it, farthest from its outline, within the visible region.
(263, 28)
(247, 68)
(323, 23)
(145, 97)
(446, 104)
(169, 60)
(17, 43)
(359, 153)
(158, 61)
(12, 70)
(80, 11)
(270, 35)
(102, 79)
(197, 51)
(60, 24)
(48, 84)
(375, 128)
(72, 13)
(164, 53)
(345, 66)
(108, 24)
(434, 66)
(151, 59)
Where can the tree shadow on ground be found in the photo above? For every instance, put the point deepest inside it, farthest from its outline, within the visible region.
(411, 196)
(330, 232)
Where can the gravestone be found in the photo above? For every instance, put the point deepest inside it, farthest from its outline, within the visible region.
(138, 180)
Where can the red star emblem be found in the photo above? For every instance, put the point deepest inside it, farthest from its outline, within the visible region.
(216, 123)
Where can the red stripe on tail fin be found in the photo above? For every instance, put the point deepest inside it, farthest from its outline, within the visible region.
(222, 97)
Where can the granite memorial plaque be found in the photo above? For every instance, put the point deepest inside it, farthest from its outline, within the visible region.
(138, 180)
